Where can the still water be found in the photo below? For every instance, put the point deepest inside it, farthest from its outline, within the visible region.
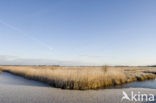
(10, 79)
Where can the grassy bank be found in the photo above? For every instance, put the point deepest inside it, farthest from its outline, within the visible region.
(79, 77)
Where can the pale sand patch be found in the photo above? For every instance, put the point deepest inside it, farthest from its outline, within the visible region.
(33, 94)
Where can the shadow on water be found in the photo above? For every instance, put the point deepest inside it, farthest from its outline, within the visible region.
(143, 84)
(8, 78)
(138, 84)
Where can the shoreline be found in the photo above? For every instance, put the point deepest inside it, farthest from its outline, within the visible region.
(23, 93)
(64, 78)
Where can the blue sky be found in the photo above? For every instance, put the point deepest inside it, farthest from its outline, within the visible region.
(78, 32)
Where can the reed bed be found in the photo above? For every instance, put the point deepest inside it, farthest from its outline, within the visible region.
(79, 78)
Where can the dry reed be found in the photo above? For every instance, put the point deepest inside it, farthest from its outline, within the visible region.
(78, 77)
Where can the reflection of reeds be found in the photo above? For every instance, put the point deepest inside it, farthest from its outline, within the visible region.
(78, 77)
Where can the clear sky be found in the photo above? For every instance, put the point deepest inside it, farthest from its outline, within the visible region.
(78, 32)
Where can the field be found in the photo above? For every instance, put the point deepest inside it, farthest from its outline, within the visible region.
(82, 78)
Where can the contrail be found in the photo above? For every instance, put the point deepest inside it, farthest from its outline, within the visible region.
(25, 34)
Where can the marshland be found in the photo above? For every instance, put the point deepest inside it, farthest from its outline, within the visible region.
(77, 51)
(83, 77)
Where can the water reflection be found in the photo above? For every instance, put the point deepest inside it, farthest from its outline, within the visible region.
(143, 84)
(7, 78)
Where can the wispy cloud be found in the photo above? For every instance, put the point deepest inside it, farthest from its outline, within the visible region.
(31, 37)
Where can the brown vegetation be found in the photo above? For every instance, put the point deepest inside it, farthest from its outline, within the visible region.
(81, 77)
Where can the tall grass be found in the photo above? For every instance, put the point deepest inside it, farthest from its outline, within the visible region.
(105, 68)
(77, 77)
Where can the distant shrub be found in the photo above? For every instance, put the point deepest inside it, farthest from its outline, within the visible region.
(105, 68)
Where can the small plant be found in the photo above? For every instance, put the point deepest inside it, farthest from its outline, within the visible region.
(105, 68)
